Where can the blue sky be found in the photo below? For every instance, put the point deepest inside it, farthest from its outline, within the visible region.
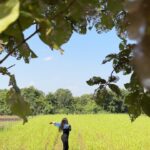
(81, 60)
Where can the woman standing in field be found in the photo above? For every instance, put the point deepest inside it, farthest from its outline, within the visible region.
(66, 128)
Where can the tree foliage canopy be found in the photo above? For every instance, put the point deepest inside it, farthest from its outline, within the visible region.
(62, 102)
(129, 18)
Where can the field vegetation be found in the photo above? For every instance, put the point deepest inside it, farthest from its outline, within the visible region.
(89, 132)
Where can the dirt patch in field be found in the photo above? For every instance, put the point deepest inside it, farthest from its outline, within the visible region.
(9, 118)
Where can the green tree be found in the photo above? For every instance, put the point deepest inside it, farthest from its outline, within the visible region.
(4, 109)
(64, 100)
(36, 99)
(85, 104)
(52, 101)
(48, 17)
(88, 104)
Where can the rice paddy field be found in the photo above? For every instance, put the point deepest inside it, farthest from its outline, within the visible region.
(89, 132)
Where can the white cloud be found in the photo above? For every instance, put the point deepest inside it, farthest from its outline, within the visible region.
(48, 58)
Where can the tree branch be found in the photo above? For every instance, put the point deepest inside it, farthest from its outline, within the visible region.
(1, 61)
(11, 66)
(112, 73)
(36, 31)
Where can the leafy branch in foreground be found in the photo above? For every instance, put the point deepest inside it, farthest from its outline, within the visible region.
(138, 99)
(17, 104)
(55, 22)
(133, 59)
(49, 17)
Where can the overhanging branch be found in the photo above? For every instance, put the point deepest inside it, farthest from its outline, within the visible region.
(25, 40)
(36, 31)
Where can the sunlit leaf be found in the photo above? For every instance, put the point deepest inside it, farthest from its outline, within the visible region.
(9, 13)
(17, 104)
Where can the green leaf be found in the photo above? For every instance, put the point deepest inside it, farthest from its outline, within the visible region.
(121, 46)
(115, 6)
(17, 104)
(127, 86)
(109, 58)
(9, 13)
(133, 102)
(131, 99)
(26, 19)
(115, 88)
(51, 2)
(113, 79)
(134, 84)
(145, 103)
(100, 95)
(3, 70)
(96, 80)
(55, 35)
(107, 21)
(26, 52)
(56, 47)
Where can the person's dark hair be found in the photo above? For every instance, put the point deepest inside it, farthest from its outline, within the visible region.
(63, 122)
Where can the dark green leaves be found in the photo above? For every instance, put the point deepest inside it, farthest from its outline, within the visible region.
(131, 98)
(16, 101)
(26, 53)
(134, 84)
(109, 58)
(122, 60)
(100, 95)
(55, 22)
(133, 102)
(114, 88)
(96, 80)
(17, 104)
(107, 22)
(145, 103)
(138, 102)
(3, 70)
(113, 78)
(115, 6)
(56, 34)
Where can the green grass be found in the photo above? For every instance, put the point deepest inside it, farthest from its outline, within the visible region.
(89, 132)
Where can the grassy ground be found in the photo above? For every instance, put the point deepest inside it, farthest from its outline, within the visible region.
(89, 132)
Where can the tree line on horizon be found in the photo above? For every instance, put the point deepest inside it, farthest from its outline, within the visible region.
(63, 102)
